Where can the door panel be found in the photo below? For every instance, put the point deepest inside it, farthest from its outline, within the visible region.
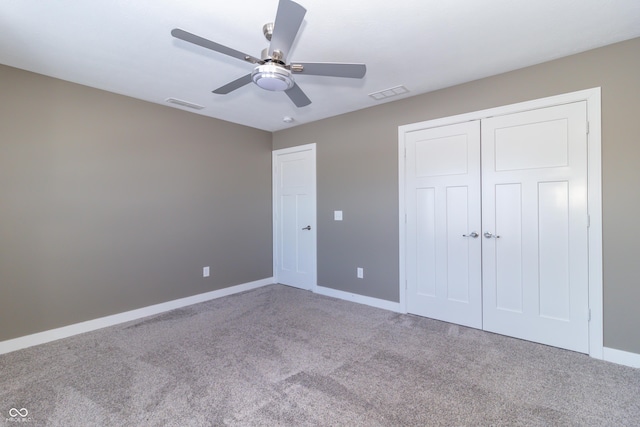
(535, 274)
(441, 156)
(425, 243)
(553, 242)
(295, 216)
(457, 249)
(508, 265)
(443, 204)
(531, 146)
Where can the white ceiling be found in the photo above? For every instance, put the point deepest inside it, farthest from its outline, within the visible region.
(125, 46)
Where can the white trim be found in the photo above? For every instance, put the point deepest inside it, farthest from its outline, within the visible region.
(594, 195)
(621, 357)
(593, 99)
(274, 203)
(402, 216)
(103, 322)
(357, 298)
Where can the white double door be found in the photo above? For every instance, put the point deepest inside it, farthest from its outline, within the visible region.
(497, 222)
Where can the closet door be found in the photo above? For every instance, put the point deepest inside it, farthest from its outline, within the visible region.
(535, 219)
(442, 193)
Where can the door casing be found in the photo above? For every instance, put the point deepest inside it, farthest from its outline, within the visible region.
(593, 99)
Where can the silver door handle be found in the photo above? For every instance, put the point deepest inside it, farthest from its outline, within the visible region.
(472, 234)
(489, 235)
(308, 227)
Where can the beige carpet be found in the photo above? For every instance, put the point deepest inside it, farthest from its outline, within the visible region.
(281, 356)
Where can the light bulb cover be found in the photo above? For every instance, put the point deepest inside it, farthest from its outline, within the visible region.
(272, 77)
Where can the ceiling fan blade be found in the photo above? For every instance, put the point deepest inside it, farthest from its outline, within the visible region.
(297, 96)
(231, 86)
(286, 26)
(354, 71)
(200, 41)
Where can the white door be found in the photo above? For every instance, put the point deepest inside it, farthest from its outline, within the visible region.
(294, 205)
(443, 255)
(535, 219)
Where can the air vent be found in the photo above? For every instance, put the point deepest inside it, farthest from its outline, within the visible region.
(184, 103)
(388, 93)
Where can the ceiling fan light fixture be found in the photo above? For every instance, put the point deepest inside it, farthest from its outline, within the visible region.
(272, 77)
(273, 72)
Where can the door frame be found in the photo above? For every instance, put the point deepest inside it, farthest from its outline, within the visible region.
(274, 203)
(594, 193)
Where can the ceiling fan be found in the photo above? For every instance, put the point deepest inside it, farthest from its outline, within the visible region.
(272, 72)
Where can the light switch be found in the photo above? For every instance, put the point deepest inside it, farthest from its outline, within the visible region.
(337, 215)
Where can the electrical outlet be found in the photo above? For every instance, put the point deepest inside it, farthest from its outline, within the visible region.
(205, 272)
(360, 272)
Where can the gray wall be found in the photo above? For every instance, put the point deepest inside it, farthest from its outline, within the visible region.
(109, 204)
(358, 173)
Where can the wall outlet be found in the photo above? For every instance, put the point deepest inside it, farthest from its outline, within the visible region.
(205, 272)
(337, 215)
(360, 272)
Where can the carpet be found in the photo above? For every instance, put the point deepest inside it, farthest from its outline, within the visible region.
(279, 356)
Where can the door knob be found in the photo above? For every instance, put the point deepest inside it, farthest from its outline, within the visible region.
(489, 235)
(472, 234)
(308, 227)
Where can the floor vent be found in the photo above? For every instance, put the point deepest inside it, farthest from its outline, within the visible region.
(184, 103)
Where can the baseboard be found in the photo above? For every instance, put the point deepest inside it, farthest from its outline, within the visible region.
(103, 322)
(361, 299)
(609, 354)
(621, 357)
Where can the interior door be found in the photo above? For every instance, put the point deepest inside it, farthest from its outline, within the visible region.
(535, 219)
(294, 201)
(443, 255)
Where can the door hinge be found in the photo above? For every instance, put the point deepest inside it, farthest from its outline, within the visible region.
(588, 220)
(589, 315)
(587, 128)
